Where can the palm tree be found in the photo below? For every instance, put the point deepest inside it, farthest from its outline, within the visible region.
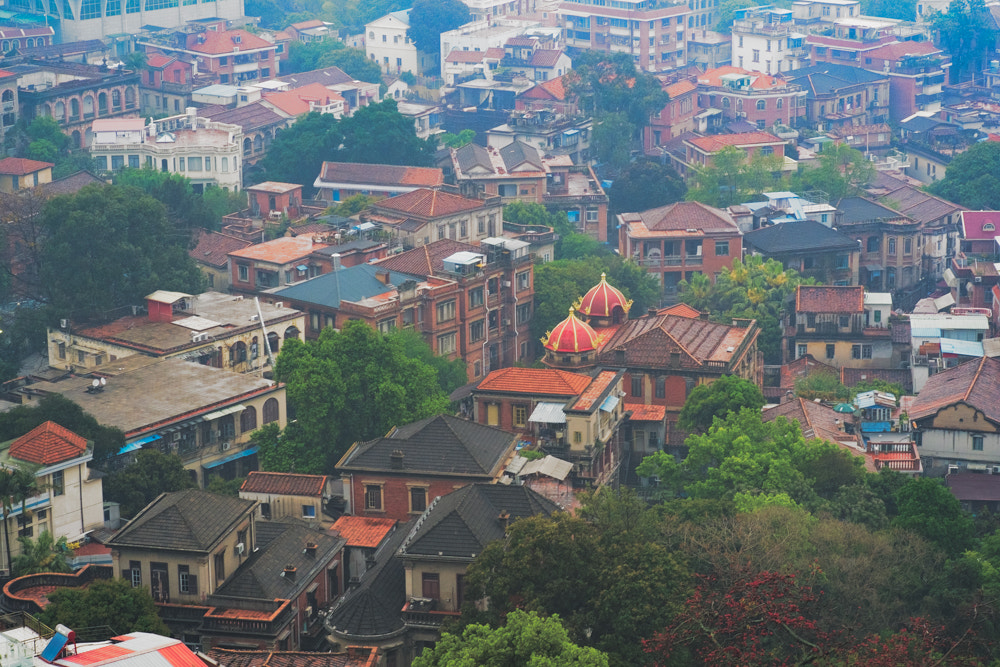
(16, 486)
(7, 503)
(46, 554)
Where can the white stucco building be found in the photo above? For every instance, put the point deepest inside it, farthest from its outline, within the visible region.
(387, 44)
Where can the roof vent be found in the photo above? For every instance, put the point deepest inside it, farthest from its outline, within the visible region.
(289, 572)
(310, 549)
(396, 459)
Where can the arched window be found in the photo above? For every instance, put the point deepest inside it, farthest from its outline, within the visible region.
(248, 419)
(258, 144)
(88, 105)
(129, 98)
(739, 104)
(238, 352)
(74, 109)
(247, 146)
(102, 103)
(725, 102)
(116, 100)
(60, 110)
(291, 332)
(254, 347)
(761, 105)
(7, 95)
(46, 110)
(780, 103)
(271, 410)
(274, 342)
(5, 45)
(225, 164)
(989, 227)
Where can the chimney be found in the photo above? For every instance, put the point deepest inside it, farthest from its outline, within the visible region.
(383, 276)
(651, 310)
(396, 459)
(289, 572)
(504, 519)
(310, 549)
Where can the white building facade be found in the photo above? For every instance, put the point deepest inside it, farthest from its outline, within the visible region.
(386, 43)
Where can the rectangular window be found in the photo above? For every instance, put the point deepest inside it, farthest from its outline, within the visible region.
(187, 582)
(446, 311)
(977, 443)
(476, 297)
(892, 245)
(194, 164)
(446, 343)
(907, 246)
(58, 483)
(373, 497)
(874, 244)
(244, 273)
(830, 350)
(722, 248)
(843, 261)
(507, 190)
(845, 321)
(135, 573)
(418, 499)
(25, 528)
(523, 280)
(431, 585)
(387, 325)
(477, 330)
(661, 387)
(637, 386)
(61, 350)
(523, 313)
(308, 511)
(520, 416)
(220, 566)
(861, 352)
(801, 350)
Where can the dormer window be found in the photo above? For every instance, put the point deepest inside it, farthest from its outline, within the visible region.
(989, 227)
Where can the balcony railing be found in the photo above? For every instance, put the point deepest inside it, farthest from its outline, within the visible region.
(414, 616)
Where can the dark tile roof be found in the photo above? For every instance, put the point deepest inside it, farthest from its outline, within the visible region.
(189, 520)
(829, 299)
(234, 658)
(213, 248)
(859, 209)
(649, 341)
(682, 216)
(827, 78)
(328, 76)
(353, 283)
(280, 544)
(374, 608)
(69, 185)
(284, 483)
(975, 383)
(250, 117)
(517, 153)
(800, 236)
(425, 260)
(902, 376)
(462, 523)
(473, 155)
(381, 174)
(973, 487)
(442, 445)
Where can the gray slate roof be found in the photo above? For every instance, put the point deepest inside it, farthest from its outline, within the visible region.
(827, 78)
(517, 153)
(189, 520)
(440, 445)
(859, 209)
(281, 543)
(374, 608)
(351, 284)
(462, 523)
(473, 155)
(800, 236)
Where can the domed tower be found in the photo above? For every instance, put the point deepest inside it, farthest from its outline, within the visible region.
(604, 305)
(571, 344)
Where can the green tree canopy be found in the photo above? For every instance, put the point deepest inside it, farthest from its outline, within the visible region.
(307, 56)
(185, 208)
(351, 386)
(451, 373)
(842, 172)
(525, 640)
(643, 185)
(450, 140)
(611, 83)
(731, 178)
(106, 607)
(108, 247)
(717, 399)
(429, 18)
(966, 31)
(929, 509)
(45, 554)
(751, 288)
(298, 152)
(138, 484)
(973, 178)
(59, 409)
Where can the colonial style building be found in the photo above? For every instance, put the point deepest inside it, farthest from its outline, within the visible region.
(813, 249)
(891, 243)
(764, 100)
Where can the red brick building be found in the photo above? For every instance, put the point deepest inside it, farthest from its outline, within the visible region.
(699, 150)
(760, 99)
(506, 398)
(399, 475)
(675, 118)
(283, 261)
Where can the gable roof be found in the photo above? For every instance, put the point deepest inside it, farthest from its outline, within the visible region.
(650, 341)
(296, 101)
(517, 153)
(828, 78)
(859, 209)
(380, 174)
(227, 41)
(281, 544)
(280, 250)
(427, 259)
(829, 299)
(463, 522)
(974, 225)
(975, 383)
(546, 57)
(442, 445)
(675, 90)
(534, 381)
(364, 531)
(682, 216)
(353, 284)
(214, 247)
(798, 236)
(188, 520)
(427, 203)
(20, 166)
(48, 443)
(717, 142)
(250, 117)
(284, 483)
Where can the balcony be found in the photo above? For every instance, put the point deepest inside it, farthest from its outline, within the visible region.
(692, 260)
(416, 614)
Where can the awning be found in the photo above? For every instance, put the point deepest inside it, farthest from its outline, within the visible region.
(873, 268)
(977, 467)
(609, 404)
(965, 348)
(548, 413)
(132, 446)
(949, 278)
(302, 267)
(222, 413)
(570, 133)
(232, 457)
(365, 226)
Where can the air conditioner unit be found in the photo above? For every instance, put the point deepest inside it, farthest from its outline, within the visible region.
(176, 436)
(240, 549)
(978, 279)
(254, 318)
(63, 324)
(224, 447)
(995, 470)
(506, 283)
(279, 304)
(239, 298)
(953, 470)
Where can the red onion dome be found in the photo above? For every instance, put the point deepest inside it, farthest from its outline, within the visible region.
(571, 336)
(602, 299)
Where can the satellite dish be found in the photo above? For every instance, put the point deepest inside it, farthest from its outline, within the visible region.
(96, 383)
(104, 381)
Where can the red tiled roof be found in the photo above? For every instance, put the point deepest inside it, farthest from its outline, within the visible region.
(295, 102)
(380, 174)
(221, 43)
(647, 413)
(681, 310)
(829, 299)
(717, 142)
(602, 300)
(652, 340)
(364, 531)
(973, 223)
(758, 81)
(213, 248)
(682, 216)
(19, 166)
(48, 443)
(284, 484)
(158, 60)
(551, 89)
(428, 203)
(571, 336)
(280, 251)
(675, 90)
(427, 259)
(304, 25)
(976, 383)
(594, 391)
(545, 57)
(536, 381)
(897, 50)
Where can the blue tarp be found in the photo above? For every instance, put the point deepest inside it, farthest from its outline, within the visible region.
(965, 348)
(132, 446)
(609, 403)
(231, 457)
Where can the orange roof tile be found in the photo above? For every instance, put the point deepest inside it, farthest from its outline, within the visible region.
(280, 251)
(296, 102)
(681, 310)
(758, 81)
(228, 41)
(429, 203)
(19, 166)
(594, 391)
(647, 413)
(364, 531)
(284, 483)
(48, 443)
(675, 90)
(717, 142)
(537, 381)
(829, 299)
